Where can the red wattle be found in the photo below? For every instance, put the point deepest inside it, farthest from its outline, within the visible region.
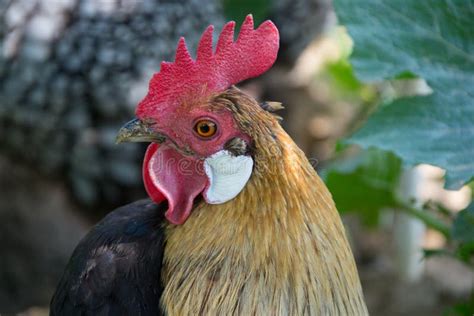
(152, 191)
(179, 179)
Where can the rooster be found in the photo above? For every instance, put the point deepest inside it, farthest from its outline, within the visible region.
(238, 221)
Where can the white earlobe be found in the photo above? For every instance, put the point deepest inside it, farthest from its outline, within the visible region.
(227, 176)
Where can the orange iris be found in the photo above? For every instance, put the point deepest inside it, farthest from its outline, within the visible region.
(205, 128)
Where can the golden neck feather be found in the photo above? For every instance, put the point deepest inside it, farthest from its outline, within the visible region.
(278, 248)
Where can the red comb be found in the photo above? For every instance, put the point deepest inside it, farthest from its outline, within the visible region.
(253, 53)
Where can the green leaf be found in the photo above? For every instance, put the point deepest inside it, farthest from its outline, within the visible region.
(434, 40)
(237, 10)
(465, 252)
(463, 225)
(364, 183)
(428, 253)
(461, 309)
(463, 233)
(343, 76)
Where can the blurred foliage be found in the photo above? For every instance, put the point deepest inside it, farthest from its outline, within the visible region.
(395, 40)
(435, 41)
(361, 181)
(463, 235)
(364, 183)
(462, 309)
(237, 10)
(343, 76)
(462, 226)
(461, 247)
(417, 128)
(340, 74)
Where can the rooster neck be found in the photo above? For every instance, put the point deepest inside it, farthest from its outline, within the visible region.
(278, 246)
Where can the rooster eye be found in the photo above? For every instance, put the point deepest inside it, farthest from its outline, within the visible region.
(205, 128)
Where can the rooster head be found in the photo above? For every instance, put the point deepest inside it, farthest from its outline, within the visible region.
(197, 145)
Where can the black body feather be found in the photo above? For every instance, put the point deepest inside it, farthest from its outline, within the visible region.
(115, 269)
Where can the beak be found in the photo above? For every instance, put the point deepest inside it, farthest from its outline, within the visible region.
(138, 131)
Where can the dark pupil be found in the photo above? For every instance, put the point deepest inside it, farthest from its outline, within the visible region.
(205, 128)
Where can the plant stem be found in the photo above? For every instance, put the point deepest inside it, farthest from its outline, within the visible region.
(430, 220)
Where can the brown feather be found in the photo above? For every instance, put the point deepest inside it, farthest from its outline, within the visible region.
(278, 248)
(271, 106)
